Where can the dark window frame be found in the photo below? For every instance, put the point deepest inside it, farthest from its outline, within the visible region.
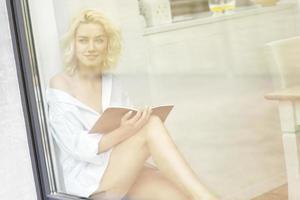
(28, 78)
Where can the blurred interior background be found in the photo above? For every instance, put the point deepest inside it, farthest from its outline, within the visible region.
(215, 69)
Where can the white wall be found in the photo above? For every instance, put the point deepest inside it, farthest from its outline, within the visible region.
(16, 180)
(231, 45)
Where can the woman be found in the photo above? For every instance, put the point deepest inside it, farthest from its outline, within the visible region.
(112, 165)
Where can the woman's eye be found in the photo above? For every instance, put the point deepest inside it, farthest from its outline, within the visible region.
(99, 40)
(83, 41)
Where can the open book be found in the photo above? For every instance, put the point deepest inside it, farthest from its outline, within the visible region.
(111, 117)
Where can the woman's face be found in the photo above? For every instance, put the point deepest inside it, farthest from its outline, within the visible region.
(90, 45)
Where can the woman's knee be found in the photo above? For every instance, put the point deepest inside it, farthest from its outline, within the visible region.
(150, 130)
(154, 126)
(154, 120)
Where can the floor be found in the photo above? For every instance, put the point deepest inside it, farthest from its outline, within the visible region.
(280, 193)
(224, 127)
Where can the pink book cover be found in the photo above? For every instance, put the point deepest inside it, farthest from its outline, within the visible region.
(111, 117)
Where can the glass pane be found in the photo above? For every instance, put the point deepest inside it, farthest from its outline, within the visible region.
(210, 131)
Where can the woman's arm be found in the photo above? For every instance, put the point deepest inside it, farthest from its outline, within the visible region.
(66, 129)
(129, 126)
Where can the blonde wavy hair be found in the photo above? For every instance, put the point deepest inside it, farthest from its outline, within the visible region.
(112, 32)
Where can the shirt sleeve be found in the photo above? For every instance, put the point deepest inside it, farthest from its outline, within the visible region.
(69, 133)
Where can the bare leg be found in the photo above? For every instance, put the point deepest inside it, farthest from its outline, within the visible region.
(170, 161)
(126, 162)
(128, 158)
(152, 185)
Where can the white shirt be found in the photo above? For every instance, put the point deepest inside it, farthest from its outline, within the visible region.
(69, 123)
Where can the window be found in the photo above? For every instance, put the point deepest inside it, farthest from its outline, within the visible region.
(191, 7)
(188, 7)
(214, 75)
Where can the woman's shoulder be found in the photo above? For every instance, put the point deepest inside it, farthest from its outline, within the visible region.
(59, 91)
(61, 81)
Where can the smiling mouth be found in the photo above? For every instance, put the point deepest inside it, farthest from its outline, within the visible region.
(91, 56)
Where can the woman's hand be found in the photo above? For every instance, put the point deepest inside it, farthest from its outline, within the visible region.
(131, 125)
(128, 127)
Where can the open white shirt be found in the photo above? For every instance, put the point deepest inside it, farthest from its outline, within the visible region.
(69, 123)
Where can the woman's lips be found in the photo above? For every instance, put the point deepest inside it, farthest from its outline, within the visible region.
(91, 56)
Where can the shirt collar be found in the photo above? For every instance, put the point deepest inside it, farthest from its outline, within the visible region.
(57, 95)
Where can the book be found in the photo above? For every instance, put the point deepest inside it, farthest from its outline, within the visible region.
(111, 117)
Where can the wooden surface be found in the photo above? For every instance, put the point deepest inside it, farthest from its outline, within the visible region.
(289, 117)
(280, 193)
(292, 93)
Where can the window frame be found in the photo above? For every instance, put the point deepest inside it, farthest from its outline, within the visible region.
(34, 116)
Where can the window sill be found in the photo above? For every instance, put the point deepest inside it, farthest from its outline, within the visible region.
(207, 18)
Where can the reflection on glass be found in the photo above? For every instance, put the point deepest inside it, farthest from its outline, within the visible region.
(215, 72)
(229, 5)
(221, 6)
(111, 164)
(216, 6)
